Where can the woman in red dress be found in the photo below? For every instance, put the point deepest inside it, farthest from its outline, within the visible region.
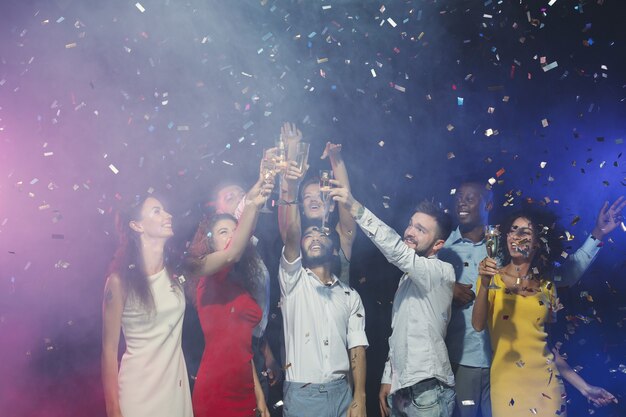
(223, 267)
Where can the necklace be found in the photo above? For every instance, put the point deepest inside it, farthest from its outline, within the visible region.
(519, 278)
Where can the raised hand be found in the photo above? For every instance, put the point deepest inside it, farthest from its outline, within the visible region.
(290, 133)
(293, 174)
(332, 151)
(609, 218)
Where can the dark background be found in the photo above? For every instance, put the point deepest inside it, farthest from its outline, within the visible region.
(188, 93)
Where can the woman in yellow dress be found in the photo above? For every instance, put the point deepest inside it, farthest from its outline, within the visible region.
(514, 303)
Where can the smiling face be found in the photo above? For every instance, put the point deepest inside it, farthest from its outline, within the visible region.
(317, 248)
(521, 239)
(154, 221)
(312, 202)
(470, 206)
(228, 199)
(222, 233)
(421, 233)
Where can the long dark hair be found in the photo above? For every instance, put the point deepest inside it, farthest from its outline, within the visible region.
(243, 272)
(128, 262)
(547, 234)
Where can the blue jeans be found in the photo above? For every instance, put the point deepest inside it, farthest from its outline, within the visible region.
(428, 398)
(331, 399)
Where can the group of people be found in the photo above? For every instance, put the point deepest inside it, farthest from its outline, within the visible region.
(469, 333)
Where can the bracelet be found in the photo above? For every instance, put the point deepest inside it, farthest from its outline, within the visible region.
(287, 203)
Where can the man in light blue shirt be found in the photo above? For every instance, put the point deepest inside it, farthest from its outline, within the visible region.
(469, 350)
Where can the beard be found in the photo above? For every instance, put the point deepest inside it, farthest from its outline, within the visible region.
(323, 257)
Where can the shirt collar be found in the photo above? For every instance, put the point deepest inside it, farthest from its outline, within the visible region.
(456, 237)
(334, 282)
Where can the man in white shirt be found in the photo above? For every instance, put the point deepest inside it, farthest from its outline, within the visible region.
(323, 321)
(417, 374)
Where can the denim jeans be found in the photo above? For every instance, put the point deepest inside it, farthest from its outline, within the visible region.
(428, 398)
(330, 399)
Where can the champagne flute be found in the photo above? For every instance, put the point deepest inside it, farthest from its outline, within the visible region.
(325, 176)
(493, 245)
(302, 154)
(281, 153)
(268, 171)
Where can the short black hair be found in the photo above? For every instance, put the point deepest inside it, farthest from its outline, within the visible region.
(443, 219)
(485, 192)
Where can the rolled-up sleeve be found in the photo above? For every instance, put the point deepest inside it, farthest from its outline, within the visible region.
(576, 264)
(386, 378)
(356, 322)
(391, 245)
(289, 273)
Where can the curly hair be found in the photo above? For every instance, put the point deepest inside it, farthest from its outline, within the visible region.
(128, 261)
(546, 233)
(243, 272)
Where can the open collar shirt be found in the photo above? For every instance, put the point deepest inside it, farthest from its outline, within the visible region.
(421, 310)
(321, 323)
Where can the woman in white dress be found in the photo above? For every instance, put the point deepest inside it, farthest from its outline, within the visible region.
(143, 301)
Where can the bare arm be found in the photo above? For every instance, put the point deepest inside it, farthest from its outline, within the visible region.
(486, 270)
(289, 214)
(112, 308)
(598, 396)
(261, 405)
(358, 366)
(213, 262)
(346, 228)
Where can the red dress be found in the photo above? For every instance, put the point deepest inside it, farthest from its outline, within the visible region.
(224, 386)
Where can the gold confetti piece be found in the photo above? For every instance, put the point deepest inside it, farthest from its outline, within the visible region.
(140, 7)
(451, 155)
(381, 143)
(70, 45)
(113, 168)
(450, 128)
(545, 123)
(322, 60)
(467, 402)
(576, 219)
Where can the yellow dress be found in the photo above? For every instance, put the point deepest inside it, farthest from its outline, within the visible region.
(524, 378)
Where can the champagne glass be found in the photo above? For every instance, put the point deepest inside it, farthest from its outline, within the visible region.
(302, 154)
(281, 153)
(268, 171)
(493, 245)
(325, 176)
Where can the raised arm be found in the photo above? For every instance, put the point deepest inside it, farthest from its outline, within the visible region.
(112, 308)
(346, 228)
(289, 212)
(213, 262)
(574, 267)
